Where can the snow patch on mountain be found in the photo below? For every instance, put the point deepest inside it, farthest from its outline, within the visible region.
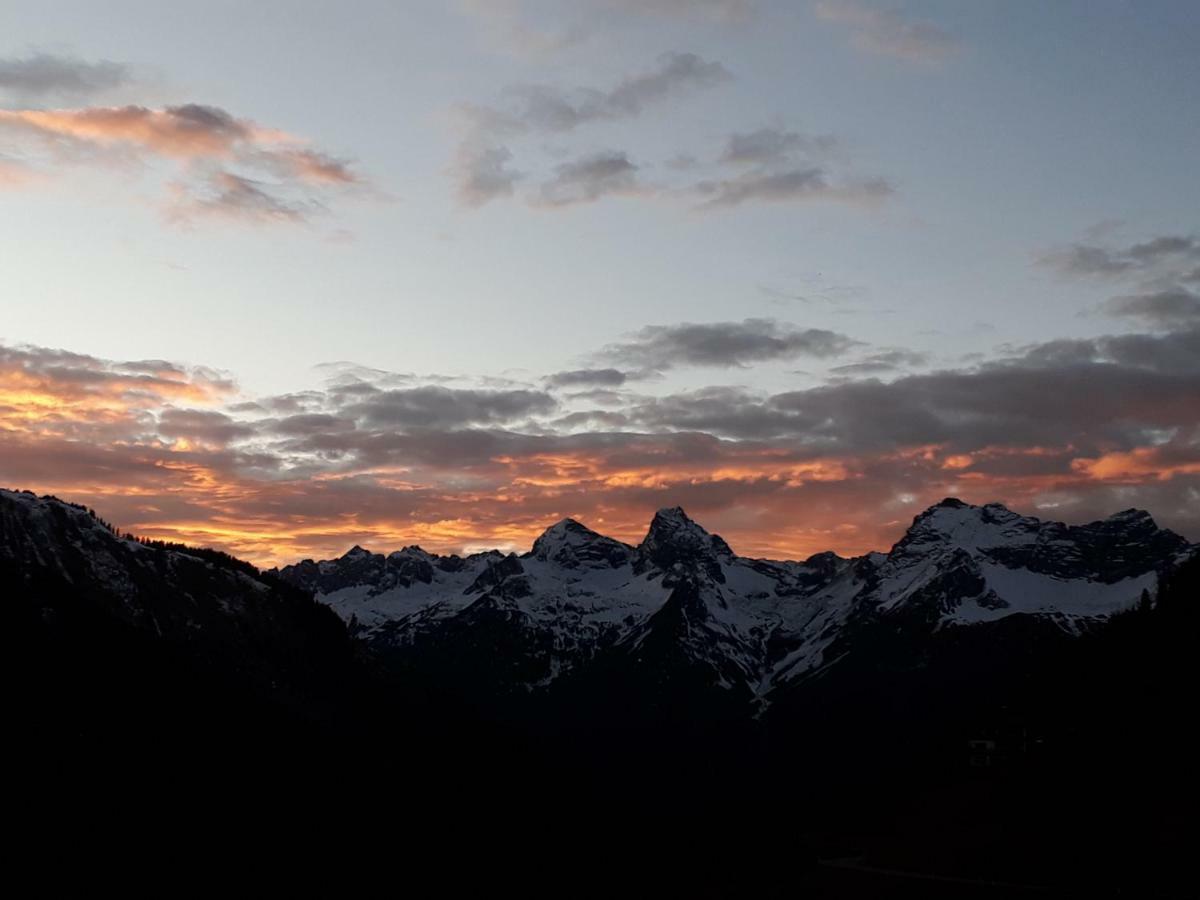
(754, 624)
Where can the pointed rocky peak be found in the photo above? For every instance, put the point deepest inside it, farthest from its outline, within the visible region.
(949, 503)
(946, 511)
(570, 544)
(675, 541)
(672, 525)
(565, 531)
(357, 564)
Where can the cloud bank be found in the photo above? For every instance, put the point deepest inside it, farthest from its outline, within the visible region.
(1073, 429)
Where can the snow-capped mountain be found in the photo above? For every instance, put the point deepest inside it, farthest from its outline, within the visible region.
(683, 598)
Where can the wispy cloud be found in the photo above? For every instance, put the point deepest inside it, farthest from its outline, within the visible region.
(883, 362)
(777, 165)
(590, 178)
(790, 185)
(587, 378)
(889, 32)
(1171, 308)
(723, 344)
(1162, 270)
(483, 168)
(1170, 255)
(774, 146)
(41, 76)
(232, 196)
(206, 143)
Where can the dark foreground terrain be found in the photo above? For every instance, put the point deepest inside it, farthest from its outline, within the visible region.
(192, 711)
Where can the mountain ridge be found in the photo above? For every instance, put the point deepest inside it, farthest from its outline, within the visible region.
(679, 600)
(750, 626)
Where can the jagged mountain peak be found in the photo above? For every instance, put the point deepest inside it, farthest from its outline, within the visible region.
(571, 543)
(1132, 518)
(412, 551)
(681, 600)
(671, 525)
(956, 522)
(676, 542)
(566, 529)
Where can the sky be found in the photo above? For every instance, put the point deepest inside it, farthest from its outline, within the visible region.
(283, 278)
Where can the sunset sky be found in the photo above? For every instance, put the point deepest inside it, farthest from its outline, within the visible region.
(285, 277)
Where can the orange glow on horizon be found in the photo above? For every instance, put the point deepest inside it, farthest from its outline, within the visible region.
(92, 435)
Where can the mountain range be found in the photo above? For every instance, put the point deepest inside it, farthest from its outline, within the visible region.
(750, 628)
(681, 608)
(834, 706)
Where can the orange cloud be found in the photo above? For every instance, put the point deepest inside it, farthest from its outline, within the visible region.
(205, 140)
(153, 447)
(180, 131)
(1139, 464)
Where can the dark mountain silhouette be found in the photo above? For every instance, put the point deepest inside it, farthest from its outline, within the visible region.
(996, 698)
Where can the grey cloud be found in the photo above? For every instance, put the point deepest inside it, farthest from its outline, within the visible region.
(889, 32)
(482, 168)
(590, 178)
(233, 196)
(1163, 253)
(676, 72)
(579, 377)
(723, 411)
(482, 174)
(884, 362)
(1175, 353)
(440, 407)
(1081, 259)
(1160, 269)
(1094, 396)
(777, 165)
(551, 109)
(590, 419)
(205, 426)
(723, 344)
(309, 423)
(790, 185)
(43, 75)
(546, 108)
(768, 146)
(602, 397)
(1166, 245)
(1174, 308)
